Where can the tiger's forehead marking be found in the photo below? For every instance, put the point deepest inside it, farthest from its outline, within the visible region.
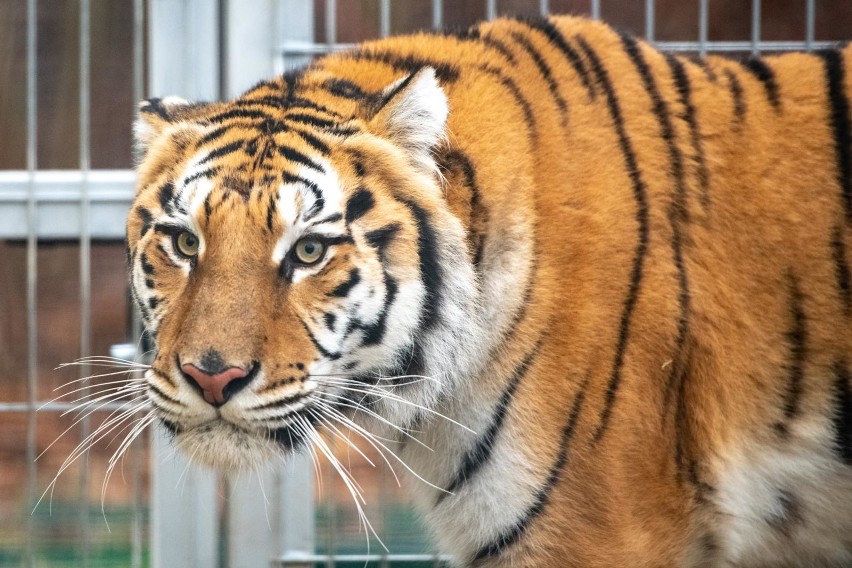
(306, 199)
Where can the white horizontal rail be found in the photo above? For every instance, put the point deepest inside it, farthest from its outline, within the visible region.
(291, 48)
(59, 196)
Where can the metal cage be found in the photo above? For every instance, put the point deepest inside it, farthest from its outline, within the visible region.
(209, 49)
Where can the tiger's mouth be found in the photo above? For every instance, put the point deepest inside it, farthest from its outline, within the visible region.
(226, 446)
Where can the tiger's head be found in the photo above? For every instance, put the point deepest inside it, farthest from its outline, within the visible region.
(296, 264)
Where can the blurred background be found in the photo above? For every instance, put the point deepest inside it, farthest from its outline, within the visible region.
(70, 74)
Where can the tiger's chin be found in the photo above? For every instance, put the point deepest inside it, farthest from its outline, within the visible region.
(227, 448)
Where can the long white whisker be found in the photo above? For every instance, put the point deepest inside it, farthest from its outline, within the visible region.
(353, 491)
(349, 403)
(396, 398)
(345, 420)
(137, 428)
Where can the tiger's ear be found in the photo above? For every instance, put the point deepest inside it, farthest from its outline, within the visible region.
(412, 113)
(156, 116)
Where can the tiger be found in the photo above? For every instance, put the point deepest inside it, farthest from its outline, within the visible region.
(595, 297)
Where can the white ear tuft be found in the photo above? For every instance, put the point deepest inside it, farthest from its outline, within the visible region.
(413, 115)
(155, 116)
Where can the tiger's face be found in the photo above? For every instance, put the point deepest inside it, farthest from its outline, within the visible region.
(291, 263)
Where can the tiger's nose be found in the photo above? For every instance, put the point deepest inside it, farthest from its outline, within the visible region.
(217, 388)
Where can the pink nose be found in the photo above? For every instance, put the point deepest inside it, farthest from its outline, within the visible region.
(215, 387)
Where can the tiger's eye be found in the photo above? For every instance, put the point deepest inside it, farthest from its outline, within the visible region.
(308, 251)
(186, 244)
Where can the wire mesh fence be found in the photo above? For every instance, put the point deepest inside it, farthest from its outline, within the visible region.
(71, 72)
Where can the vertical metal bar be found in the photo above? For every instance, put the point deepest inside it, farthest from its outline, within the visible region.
(490, 9)
(596, 9)
(810, 23)
(437, 14)
(703, 16)
(543, 7)
(32, 278)
(649, 19)
(137, 529)
(755, 27)
(85, 257)
(385, 18)
(330, 23)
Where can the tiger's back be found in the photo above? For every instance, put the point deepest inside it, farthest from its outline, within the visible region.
(685, 333)
(662, 258)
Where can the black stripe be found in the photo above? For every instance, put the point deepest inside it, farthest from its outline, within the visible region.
(512, 87)
(797, 338)
(310, 120)
(684, 91)
(214, 134)
(555, 36)
(146, 218)
(430, 265)
(301, 102)
(640, 195)
(542, 496)
(843, 413)
(342, 290)
(333, 218)
(445, 72)
(398, 88)
(676, 212)
(380, 238)
(764, 73)
(271, 209)
(312, 141)
(329, 318)
(737, 97)
(479, 217)
(359, 204)
(202, 174)
(168, 259)
(324, 352)
(840, 123)
(373, 334)
(147, 267)
(345, 89)
(276, 102)
(483, 447)
(546, 74)
(240, 113)
(165, 195)
(499, 46)
(294, 155)
(155, 106)
(153, 302)
(221, 151)
(841, 269)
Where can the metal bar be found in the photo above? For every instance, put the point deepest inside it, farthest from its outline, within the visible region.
(32, 280)
(302, 48)
(755, 27)
(543, 7)
(300, 560)
(384, 18)
(137, 540)
(85, 260)
(650, 6)
(330, 22)
(46, 406)
(490, 9)
(437, 14)
(810, 23)
(596, 9)
(703, 17)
